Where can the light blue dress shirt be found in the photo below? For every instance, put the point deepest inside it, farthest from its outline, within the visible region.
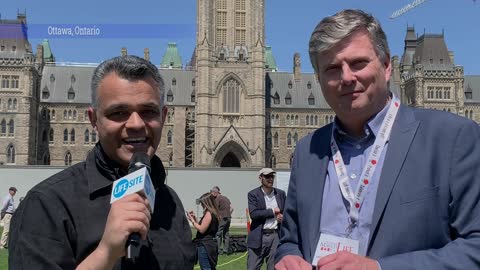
(335, 209)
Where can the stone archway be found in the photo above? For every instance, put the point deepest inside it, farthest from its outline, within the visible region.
(231, 155)
(230, 160)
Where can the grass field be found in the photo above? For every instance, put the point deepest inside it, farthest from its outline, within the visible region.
(236, 261)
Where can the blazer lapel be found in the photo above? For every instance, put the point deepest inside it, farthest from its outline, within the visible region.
(403, 132)
(317, 165)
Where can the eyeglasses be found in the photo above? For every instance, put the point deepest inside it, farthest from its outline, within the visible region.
(268, 176)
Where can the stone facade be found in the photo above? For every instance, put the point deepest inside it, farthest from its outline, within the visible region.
(228, 107)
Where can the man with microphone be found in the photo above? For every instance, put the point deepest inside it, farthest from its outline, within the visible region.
(67, 221)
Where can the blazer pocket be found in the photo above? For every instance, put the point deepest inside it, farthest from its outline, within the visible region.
(419, 195)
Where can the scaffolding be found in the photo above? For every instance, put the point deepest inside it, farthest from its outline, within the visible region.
(190, 138)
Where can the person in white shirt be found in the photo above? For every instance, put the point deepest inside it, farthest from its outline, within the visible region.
(265, 205)
(8, 208)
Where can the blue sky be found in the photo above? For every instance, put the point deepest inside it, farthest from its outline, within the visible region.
(288, 26)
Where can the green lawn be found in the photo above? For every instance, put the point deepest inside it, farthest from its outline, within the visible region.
(236, 261)
(3, 256)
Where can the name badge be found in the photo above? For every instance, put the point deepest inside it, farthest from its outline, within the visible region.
(329, 244)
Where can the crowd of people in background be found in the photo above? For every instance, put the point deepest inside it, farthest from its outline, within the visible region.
(265, 207)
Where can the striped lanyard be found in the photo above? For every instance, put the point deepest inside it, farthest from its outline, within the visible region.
(356, 199)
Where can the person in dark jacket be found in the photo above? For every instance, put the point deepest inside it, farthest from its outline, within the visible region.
(265, 205)
(67, 221)
(207, 228)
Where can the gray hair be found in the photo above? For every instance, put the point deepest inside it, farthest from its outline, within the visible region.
(333, 29)
(128, 67)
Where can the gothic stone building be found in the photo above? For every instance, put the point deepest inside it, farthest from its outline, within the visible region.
(228, 107)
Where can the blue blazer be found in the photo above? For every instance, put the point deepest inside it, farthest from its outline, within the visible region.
(427, 210)
(259, 214)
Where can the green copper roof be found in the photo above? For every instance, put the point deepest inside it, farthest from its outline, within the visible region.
(269, 60)
(171, 58)
(47, 52)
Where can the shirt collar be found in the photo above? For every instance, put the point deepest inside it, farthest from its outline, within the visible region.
(373, 124)
(102, 171)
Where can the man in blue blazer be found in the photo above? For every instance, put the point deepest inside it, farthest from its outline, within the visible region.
(385, 186)
(265, 205)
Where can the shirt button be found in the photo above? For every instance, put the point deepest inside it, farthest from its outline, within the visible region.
(353, 176)
(358, 146)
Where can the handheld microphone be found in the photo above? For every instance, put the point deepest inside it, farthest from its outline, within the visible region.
(137, 181)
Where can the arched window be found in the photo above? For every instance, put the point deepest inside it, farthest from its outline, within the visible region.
(277, 119)
(471, 114)
(48, 114)
(316, 120)
(170, 160)
(326, 119)
(94, 136)
(295, 138)
(296, 120)
(231, 96)
(44, 136)
(11, 127)
(14, 103)
(74, 114)
(169, 137)
(288, 99)
(307, 120)
(72, 136)
(71, 94)
(44, 114)
(11, 154)
(289, 139)
(311, 99)
(309, 85)
(290, 85)
(68, 159)
(288, 120)
(65, 136)
(65, 115)
(276, 98)
(87, 136)
(192, 96)
(85, 115)
(50, 136)
(10, 104)
(273, 162)
(331, 118)
(466, 113)
(45, 93)
(174, 82)
(69, 114)
(275, 140)
(170, 96)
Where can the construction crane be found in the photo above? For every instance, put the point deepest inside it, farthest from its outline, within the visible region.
(407, 8)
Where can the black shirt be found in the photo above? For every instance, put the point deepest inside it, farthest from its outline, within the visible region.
(61, 220)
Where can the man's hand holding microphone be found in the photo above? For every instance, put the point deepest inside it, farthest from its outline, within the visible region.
(132, 202)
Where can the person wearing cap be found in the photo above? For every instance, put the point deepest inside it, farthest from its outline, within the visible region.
(225, 211)
(8, 208)
(265, 205)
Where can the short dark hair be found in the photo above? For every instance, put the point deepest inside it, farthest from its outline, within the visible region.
(128, 67)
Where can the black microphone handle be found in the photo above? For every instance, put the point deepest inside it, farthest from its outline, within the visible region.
(133, 246)
(138, 160)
